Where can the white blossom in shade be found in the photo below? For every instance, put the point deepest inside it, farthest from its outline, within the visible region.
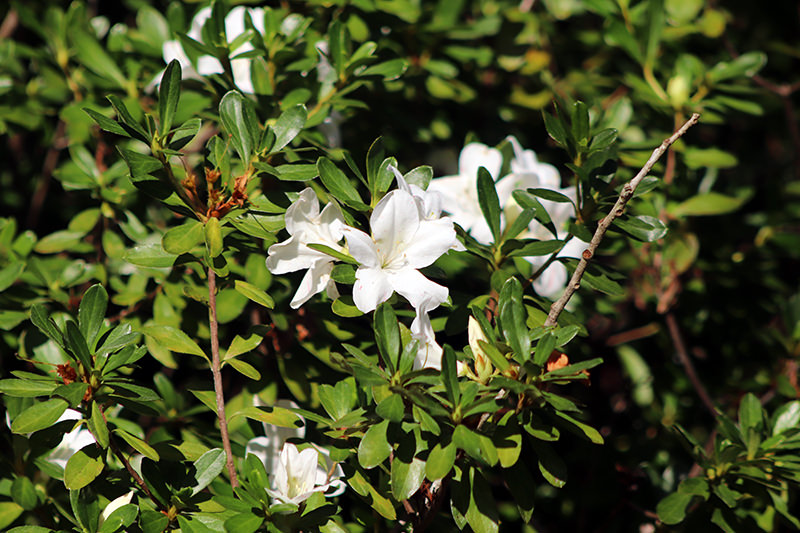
(306, 225)
(115, 504)
(402, 242)
(429, 353)
(206, 64)
(460, 193)
(554, 278)
(269, 448)
(298, 476)
(71, 442)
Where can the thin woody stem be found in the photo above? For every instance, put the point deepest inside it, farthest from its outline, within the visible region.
(616, 211)
(686, 361)
(215, 370)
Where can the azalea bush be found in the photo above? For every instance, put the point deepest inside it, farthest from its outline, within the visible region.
(397, 266)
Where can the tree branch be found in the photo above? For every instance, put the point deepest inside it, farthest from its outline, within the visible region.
(616, 211)
(686, 361)
(215, 370)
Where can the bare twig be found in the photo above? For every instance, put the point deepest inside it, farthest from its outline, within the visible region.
(9, 24)
(683, 355)
(215, 370)
(616, 211)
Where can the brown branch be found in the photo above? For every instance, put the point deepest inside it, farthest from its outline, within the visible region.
(616, 211)
(9, 24)
(683, 355)
(215, 370)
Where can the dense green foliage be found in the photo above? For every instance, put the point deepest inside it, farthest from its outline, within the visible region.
(141, 193)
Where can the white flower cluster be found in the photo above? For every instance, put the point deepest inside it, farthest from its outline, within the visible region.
(460, 197)
(407, 233)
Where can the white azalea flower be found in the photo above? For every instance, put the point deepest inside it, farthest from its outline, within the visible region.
(298, 475)
(402, 242)
(270, 449)
(206, 64)
(429, 353)
(307, 225)
(460, 193)
(72, 442)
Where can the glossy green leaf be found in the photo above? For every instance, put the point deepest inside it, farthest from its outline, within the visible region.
(239, 119)
(387, 335)
(254, 293)
(149, 255)
(672, 509)
(751, 415)
(643, 227)
(489, 202)
(92, 312)
(450, 375)
(169, 92)
(137, 444)
(391, 408)
(551, 465)
(97, 425)
(786, 417)
(22, 388)
(338, 184)
(24, 493)
(207, 468)
(711, 203)
(38, 416)
(244, 368)
(173, 339)
(440, 461)
(182, 239)
(745, 65)
(374, 448)
(288, 125)
(513, 318)
(83, 467)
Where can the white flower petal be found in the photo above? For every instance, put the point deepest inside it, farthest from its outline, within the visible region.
(432, 240)
(372, 287)
(475, 155)
(292, 255)
(316, 280)
(302, 210)
(394, 223)
(416, 288)
(361, 247)
(115, 504)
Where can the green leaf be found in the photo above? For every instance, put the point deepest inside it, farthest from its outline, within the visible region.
(375, 157)
(105, 123)
(30, 529)
(207, 468)
(786, 417)
(174, 340)
(24, 493)
(38, 416)
(551, 465)
(513, 319)
(481, 514)
(9, 275)
(338, 184)
(83, 467)
(391, 408)
(377, 501)
(643, 227)
(580, 123)
(387, 335)
(122, 517)
(696, 158)
(477, 446)
(98, 427)
(45, 324)
(551, 195)
(169, 92)
(213, 237)
(406, 477)
(21, 388)
(77, 345)
(130, 124)
(288, 125)
(508, 441)
(555, 128)
(142, 169)
(92, 55)
(138, 444)
(389, 70)
(374, 448)
(149, 255)
(153, 521)
(182, 239)
(544, 348)
(244, 368)
(254, 293)
(238, 117)
(449, 374)
(440, 460)
(276, 416)
(579, 428)
(603, 139)
(489, 202)
(751, 415)
(711, 203)
(696, 486)
(657, 18)
(9, 512)
(73, 392)
(92, 312)
(672, 509)
(744, 65)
